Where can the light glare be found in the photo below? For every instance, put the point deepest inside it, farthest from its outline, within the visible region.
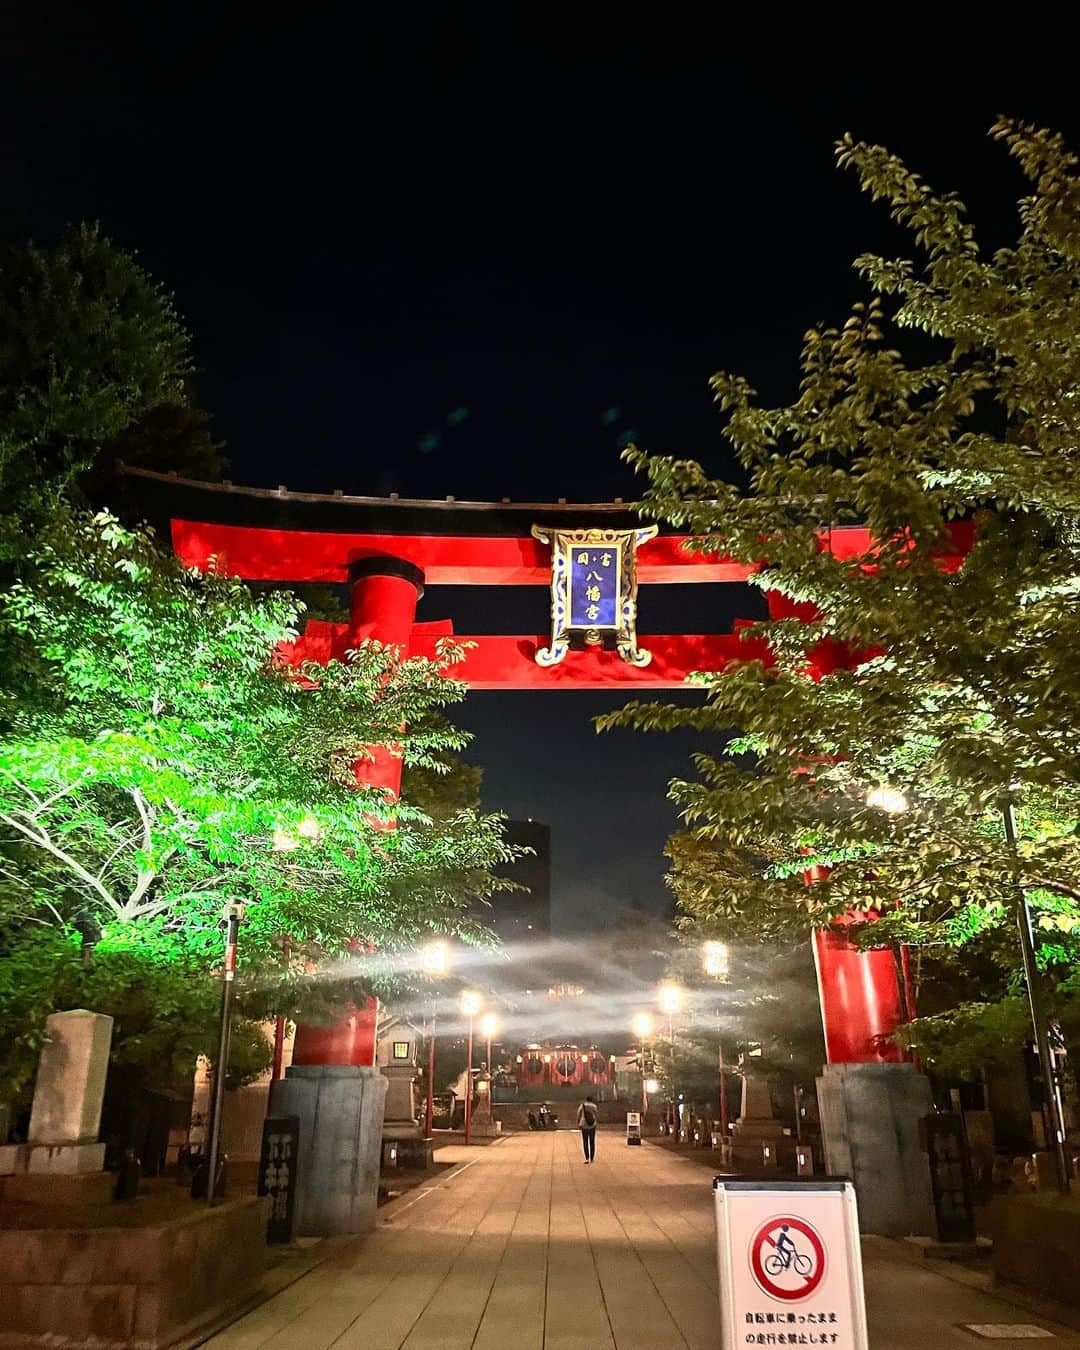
(887, 799)
(717, 958)
(670, 997)
(435, 958)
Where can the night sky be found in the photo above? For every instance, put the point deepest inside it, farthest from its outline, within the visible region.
(453, 257)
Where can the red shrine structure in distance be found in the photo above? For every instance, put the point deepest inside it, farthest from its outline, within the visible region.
(385, 549)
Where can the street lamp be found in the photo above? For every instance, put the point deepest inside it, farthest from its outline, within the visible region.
(642, 1027)
(232, 918)
(435, 958)
(716, 959)
(489, 1029)
(670, 998)
(434, 961)
(471, 1003)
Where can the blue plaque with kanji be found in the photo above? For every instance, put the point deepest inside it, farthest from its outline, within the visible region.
(594, 588)
(593, 592)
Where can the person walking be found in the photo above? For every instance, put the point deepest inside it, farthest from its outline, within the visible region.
(586, 1118)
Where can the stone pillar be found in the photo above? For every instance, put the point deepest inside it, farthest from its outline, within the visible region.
(69, 1092)
(870, 1117)
(341, 1118)
(62, 1161)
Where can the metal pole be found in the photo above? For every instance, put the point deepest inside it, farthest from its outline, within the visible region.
(676, 1118)
(233, 915)
(468, 1088)
(723, 1094)
(429, 1114)
(279, 1027)
(279, 1049)
(1038, 1011)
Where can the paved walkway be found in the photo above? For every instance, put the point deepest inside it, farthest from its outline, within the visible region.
(525, 1248)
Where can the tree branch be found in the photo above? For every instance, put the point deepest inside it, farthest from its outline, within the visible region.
(43, 841)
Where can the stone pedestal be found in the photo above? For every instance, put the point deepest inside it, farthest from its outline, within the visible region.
(870, 1117)
(341, 1120)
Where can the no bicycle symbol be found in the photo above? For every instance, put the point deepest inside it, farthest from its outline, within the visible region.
(787, 1258)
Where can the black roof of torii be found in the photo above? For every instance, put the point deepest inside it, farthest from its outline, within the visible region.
(161, 497)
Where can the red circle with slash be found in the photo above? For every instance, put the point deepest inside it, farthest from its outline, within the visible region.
(793, 1281)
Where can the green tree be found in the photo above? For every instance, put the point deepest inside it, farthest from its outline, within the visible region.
(94, 362)
(946, 402)
(158, 758)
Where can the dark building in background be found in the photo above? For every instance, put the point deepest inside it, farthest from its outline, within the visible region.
(522, 916)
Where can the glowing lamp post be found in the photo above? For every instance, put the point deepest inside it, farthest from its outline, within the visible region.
(642, 1027)
(716, 959)
(471, 1003)
(435, 958)
(670, 998)
(434, 962)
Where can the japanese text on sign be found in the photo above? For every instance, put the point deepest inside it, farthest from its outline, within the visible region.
(594, 587)
(277, 1174)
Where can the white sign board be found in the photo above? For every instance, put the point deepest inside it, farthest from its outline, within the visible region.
(789, 1264)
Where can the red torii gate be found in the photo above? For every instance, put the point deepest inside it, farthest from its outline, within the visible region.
(386, 549)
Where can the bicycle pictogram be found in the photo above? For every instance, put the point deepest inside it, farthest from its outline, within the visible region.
(787, 1258)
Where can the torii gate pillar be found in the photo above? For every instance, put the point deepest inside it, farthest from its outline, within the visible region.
(384, 592)
(333, 1083)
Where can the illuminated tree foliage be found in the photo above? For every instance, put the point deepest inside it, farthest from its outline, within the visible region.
(157, 759)
(949, 396)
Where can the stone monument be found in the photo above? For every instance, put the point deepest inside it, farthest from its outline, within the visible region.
(62, 1161)
(756, 1135)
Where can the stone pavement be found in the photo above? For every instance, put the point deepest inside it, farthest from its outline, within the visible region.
(523, 1247)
